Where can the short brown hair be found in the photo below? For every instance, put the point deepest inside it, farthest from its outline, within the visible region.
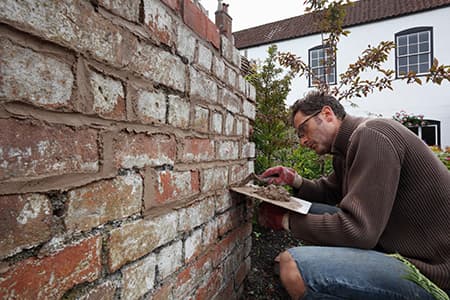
(315, 101)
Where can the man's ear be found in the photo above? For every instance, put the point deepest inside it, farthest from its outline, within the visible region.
(328, 113)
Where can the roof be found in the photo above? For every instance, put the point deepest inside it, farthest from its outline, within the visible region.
(361, 12)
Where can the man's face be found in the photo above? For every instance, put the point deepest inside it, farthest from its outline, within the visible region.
(317, 130)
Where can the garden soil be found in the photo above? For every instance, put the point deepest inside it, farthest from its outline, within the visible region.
(262, 282)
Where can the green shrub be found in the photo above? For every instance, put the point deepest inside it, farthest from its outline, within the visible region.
(305, 161)
(310, 165)
(274, 137)
(443, 155)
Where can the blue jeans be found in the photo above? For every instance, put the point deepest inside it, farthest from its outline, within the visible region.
(349, 273)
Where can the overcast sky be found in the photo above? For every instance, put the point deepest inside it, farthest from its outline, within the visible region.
(251, 13)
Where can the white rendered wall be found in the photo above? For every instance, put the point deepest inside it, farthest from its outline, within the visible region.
(431, 100)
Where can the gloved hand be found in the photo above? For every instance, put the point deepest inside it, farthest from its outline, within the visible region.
(282, 176)
(272, 216)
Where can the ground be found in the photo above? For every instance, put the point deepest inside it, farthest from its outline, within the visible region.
(262, 282)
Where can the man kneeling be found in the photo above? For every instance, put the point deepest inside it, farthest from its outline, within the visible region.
(382, 216)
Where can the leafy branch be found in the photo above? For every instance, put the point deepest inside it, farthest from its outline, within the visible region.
(372, 59)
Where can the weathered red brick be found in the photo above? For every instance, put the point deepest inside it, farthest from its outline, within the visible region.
(198, 150)
(30, 149)
(164, 292)
(242, 272)
(249, 109)
(195, 18)
(247, 246)
(109, 96)
(124, 8)
(240, 292)
(229, 99)
(198, 21)
(216, 123)
(229, 242)
(211, 286)
(173, 4)
(229, 52)
(238, 173)
(196, 214)
(231, 78)
(248, 150)
(25, 221)
(213, 34)
(159, 65)
(193, 245)
(242, 84)
(227, 292)
(151, 107)
(229, 220)
(169, 186)
(203, 87)
(239, 128)
(227, 150)
(210, 233)
(141, 150)
(246, 230)
(229, 124)
(224, 201)
(131, 241)
(159, 21)
(188, 279)
(201, 119)
(103, 201)
(214, 178)
(51, 276)
(169, 259)
(232, 262)
(186, 38)
(74, 24)
(102, 291)
(178, 112)
(34, 77)
(138, 278)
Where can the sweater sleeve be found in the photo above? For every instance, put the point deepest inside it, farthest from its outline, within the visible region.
(324, 190)
(371, 179)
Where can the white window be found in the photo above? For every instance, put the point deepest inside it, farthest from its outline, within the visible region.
(429, 133)
(323, 65)
(414, 51)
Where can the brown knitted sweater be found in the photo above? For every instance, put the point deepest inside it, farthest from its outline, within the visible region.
(394, 196)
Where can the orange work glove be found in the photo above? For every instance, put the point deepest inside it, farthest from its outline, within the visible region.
(271, 216)
(282, 176)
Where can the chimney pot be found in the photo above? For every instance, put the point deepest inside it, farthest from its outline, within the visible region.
(223, 20)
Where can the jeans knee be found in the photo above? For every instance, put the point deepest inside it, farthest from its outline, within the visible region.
(286, 257)
(290, 276)
(288, 267)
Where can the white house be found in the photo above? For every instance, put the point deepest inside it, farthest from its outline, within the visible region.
(420, 30)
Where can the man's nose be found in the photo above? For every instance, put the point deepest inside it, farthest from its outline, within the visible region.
(303, 140)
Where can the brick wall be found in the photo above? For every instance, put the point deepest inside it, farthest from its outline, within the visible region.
(122, 124)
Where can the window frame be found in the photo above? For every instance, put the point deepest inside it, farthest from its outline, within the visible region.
(431, 49)
(321, 47)
(429, 123)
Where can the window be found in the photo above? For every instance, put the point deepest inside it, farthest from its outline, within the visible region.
(414, 51)
(322, 64)
(429, 133)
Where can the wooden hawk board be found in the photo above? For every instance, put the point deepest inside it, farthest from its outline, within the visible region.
(296, 204)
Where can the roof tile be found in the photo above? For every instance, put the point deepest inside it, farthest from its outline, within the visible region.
(363, 11)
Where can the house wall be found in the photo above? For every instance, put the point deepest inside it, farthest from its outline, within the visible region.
(431, 100)
(121, 126)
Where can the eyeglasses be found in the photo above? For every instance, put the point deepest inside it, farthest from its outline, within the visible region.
(301, 127)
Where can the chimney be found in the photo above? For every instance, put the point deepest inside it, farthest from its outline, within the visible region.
(223, 20)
